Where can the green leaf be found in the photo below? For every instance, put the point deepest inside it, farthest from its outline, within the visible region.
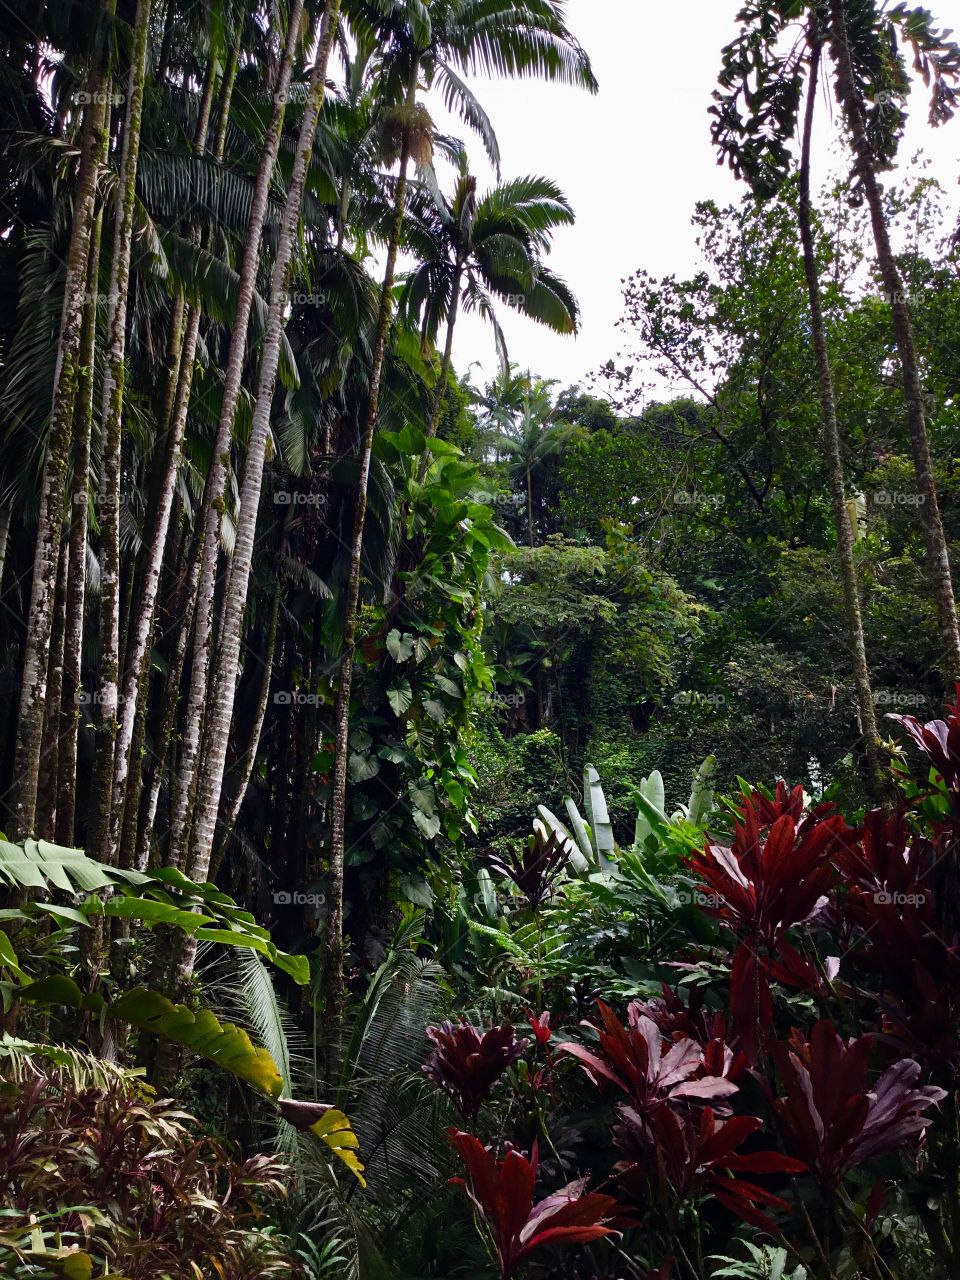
(428, 824)
(400, 696)
(400, 647)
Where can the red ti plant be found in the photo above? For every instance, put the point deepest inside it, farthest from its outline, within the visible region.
(902, 936)
(939, 742)
(535, 868)
(502, 1194)
(695, 1154)
(651, 1069)
(467, 1063)
(831, 1116)
(772, 877)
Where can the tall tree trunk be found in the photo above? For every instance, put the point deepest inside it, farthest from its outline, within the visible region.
(530, 506)
(440, 395)
(98, 840)
(214, 496)
(938, 558)
(71, 713)
(333, 977)
(245, 764)
(26, 766)
(141, 635)
(49, 756)
(184, 609)
(210, 780)
(832, 451)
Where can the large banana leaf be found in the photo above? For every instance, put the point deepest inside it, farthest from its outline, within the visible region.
(164, 897)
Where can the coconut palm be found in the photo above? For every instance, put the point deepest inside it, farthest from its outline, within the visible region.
(473, 250)
(528, 438)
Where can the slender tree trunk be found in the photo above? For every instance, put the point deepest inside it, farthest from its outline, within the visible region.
(832, 450)
(26, 764)
(49, 757)
(333, 977)
(210, 780)
(184, 786)
(5, 513)
(98, 841)
(530, 505)
(71, 713)
(938, 558)
(168, 716)
(440, 396)
(245, 764)
(141, 635)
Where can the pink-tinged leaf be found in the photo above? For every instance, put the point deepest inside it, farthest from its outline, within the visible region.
(706, 1088)
(595, 1067)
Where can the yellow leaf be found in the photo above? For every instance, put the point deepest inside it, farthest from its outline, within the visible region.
(335, 1131)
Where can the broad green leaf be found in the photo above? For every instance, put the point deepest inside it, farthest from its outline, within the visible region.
(400, 696)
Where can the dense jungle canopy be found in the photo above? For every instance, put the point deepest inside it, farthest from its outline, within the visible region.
(460, 823)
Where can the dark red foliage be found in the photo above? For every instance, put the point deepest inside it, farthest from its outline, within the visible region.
(678, 1021)
(502, 1194)
(902, 939)
(466, 1063)
(770, 879)
(696, 1154)
(774, 875)
(647, 1066)
(831, 1116)
(535, 868)
(938, 741)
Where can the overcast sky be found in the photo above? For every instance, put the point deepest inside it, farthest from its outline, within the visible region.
(633, 161)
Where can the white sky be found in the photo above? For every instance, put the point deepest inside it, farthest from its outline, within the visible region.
(633, 160)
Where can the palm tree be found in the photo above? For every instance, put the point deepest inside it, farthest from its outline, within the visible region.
(473, 249)
(208, 533)
(755, 118)
(849, 88)
(225, 679)
(832, 449)
(529, 438)
(94, 143)
(437, 43)
(173, 421)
